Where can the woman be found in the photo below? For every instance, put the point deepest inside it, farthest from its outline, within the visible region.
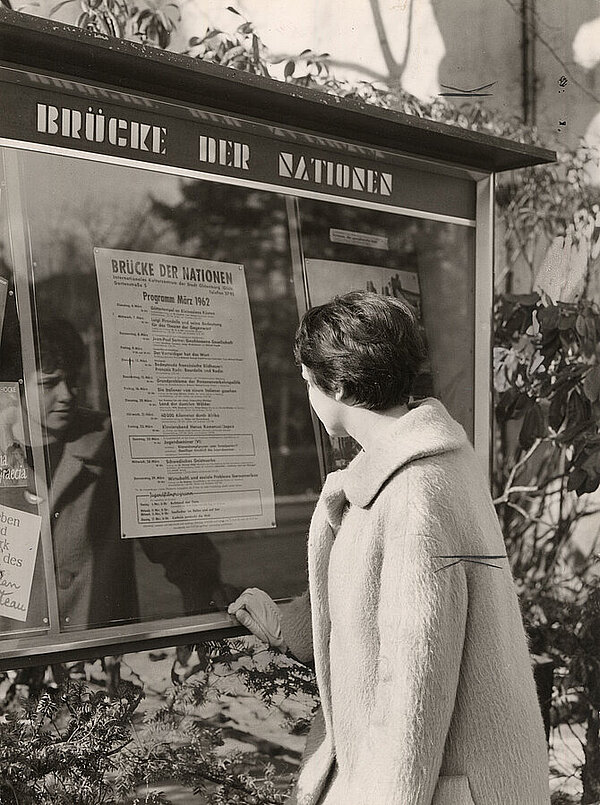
(421, 658)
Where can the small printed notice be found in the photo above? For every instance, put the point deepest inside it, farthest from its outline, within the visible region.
(328, 278)
(184, 392)
(14, 470)
(364, 239)
(19, 535)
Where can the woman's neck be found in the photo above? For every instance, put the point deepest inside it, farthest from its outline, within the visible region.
(370, 427)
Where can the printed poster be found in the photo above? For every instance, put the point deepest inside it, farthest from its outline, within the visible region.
(13, 462)
(184, 392)
(19, 535)
(328, 278)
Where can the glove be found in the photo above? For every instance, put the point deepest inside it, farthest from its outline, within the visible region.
(257, 611)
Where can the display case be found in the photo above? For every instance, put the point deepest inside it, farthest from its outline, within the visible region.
(164, 224)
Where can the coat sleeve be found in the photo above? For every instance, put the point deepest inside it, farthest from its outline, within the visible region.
(296, 628)
(421, 623)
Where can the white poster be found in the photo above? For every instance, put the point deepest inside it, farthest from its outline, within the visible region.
(328, 278)
(184, 392)
(13, 462)
(19, 535)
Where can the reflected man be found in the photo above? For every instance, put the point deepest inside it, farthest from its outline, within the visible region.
(95, 568)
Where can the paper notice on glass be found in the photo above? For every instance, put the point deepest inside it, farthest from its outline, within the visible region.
(14, 470)
(19, 535)
(328, 278)
(184, 391)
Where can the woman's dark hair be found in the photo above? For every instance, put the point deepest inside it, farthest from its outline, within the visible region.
(368, 345)
(60, 346)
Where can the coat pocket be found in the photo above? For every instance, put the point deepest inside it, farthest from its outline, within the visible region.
(453, 790)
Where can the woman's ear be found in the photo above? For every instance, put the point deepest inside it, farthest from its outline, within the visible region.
(339, 394)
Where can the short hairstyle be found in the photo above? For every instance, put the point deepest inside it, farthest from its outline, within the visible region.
(60, 346)
(10, 349)
(370, 346)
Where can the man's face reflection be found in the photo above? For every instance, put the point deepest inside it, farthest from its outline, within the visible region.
(58, 396)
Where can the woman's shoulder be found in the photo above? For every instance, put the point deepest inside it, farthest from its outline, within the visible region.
(424, 488)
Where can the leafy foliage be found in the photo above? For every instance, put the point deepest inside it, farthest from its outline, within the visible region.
(547, 376)
(77, 746)
(150, 24)
(547, 457)
(542, 203)
(244, 50)
(61, 746)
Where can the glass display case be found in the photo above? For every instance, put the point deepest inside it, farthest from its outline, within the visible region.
(157, 450)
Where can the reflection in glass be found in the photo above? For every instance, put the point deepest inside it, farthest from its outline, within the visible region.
(74, 206)
(356, 242)
(18, 483)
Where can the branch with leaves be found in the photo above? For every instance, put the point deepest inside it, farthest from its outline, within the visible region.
(77, 746)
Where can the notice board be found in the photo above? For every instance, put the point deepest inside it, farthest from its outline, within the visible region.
(157, 450)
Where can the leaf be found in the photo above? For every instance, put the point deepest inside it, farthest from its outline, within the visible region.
(288, 70)
(233, 10)
(536, 363)
(164, 37)
(505, 404)
(534, 328)
(512, 404)
(591, 384)
(55, 8)
(578, 417)
(590, 484)
(577, 478)
(568, 320)
(548, 317)
(533, 427)
(580, 325)
(233, 53)
(591, 464)
(550, 346)
(576, 409)
(558, 408)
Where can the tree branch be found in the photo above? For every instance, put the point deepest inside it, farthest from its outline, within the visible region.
(400, 69)
(390, 62)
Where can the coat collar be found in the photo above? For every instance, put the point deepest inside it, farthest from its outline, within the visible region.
(88, 445)
(426, 430)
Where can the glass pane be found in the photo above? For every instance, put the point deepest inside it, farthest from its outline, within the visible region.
(73, 208)
(429, 263)
(23, 604)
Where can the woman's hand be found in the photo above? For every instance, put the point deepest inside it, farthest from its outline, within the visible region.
(257, 611)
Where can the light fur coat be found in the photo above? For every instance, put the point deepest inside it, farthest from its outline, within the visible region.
(427, 692)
